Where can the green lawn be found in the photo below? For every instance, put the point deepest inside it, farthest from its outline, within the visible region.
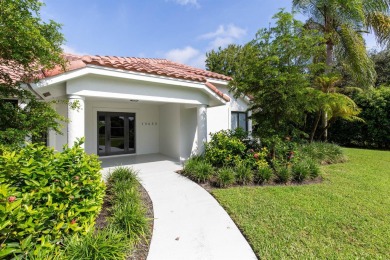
(347, 216)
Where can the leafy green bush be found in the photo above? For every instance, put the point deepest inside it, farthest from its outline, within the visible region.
(198, 169)
(323, 153)
(374, 132)
(256, 158)
(263, 174)
(282, 173)
(300, 171)
(244, 173)
(225, 177)
(107, 243)
(45, 196)
(127, 212)
(224, 149)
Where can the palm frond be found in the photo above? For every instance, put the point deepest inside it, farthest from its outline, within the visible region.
(352, 49)
(341, 106)
(379, 23)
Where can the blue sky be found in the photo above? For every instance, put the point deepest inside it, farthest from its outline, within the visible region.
(179, 30)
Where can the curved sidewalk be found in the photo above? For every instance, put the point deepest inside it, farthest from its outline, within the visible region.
(189, 223)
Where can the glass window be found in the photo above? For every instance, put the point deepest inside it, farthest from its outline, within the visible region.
(239, 119)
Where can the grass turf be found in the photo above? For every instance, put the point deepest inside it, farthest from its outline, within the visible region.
(347, 216)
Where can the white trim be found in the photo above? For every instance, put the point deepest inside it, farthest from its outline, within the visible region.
(102, 71)
(117, 73)
(218, 81)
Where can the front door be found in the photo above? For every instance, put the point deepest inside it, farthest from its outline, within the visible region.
(116, 133)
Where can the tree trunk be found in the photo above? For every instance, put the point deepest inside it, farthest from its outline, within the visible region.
(329, 61)
(314, 130)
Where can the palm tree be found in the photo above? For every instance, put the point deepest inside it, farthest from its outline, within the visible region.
(342, 22)
(332, 102)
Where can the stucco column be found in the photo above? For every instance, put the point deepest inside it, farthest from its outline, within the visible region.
(76, 115)
(249, 123)
(201, 127)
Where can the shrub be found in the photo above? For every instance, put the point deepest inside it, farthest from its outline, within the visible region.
(300, 171)
(374, 132)
(282, 173)
(45, 196)
(225, 177)
(244, 174)
(224, 149)
(198, 169)
(127, 212)
(263, 174)
(107, 243)
(313, 168)
(255, 158)
(323, 153)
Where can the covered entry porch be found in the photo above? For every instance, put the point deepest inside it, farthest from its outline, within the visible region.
(120, 112)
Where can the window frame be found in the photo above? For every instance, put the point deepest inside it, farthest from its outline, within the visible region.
(237, 114)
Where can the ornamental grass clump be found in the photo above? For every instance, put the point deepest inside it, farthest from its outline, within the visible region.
(106, 243)
(198, 169)
(282, 173)
(263, 174)
(225, 177)
(300, 171)
(243, 173)
(127, 212)
(323, 153)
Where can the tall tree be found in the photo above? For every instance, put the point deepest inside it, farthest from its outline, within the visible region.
(275, 70)
(27, 45)
(342, 23)
(382, 67)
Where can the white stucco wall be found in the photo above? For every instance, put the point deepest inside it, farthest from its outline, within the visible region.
(188, 132)
(219, 118)
(100, 86)
(170, 130)
(57, 141)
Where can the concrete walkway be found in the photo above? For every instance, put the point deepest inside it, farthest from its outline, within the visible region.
(189, 223)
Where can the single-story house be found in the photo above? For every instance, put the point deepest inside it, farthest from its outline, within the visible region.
(140, 106)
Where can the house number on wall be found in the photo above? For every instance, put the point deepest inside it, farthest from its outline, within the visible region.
(149, 123)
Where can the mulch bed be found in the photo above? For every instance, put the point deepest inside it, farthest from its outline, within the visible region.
(209, 186)
(141, 249)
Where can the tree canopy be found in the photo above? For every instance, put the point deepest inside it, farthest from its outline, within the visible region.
(283, 71)
(27, 45)
(275, 70)
(342, 23)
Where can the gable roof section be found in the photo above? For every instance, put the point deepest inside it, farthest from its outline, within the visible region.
(158, 67)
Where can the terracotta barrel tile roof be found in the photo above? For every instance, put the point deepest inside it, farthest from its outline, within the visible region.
(161, 67)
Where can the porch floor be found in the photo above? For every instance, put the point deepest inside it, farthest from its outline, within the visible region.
(189, 223)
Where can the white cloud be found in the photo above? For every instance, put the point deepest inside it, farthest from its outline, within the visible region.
(224, 35)
(182, 55)
(187, 2)
(187, 55)
(71, 50)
